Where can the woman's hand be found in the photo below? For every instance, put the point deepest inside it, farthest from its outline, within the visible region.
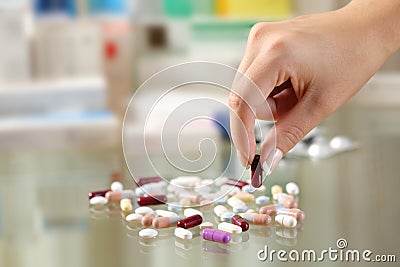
(306, 68)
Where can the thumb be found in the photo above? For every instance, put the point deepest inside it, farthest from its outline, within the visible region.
(287, 132)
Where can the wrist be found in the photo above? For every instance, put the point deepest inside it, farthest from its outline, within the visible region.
(379, 22)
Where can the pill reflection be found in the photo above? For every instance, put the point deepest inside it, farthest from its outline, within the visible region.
(213, 248)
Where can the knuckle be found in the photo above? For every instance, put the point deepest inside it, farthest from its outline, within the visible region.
(234, 101)
(257, 31)
(291, 135)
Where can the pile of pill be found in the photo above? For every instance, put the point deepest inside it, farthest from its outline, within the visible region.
(180, 202)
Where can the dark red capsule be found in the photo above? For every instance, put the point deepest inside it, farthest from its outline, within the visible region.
(152, 200)
(101, 193)
(242, 223)
(236, 183)
(148, 180)
(256, 172)
(190, 221)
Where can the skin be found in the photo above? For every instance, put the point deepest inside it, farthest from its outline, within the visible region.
(306, 68)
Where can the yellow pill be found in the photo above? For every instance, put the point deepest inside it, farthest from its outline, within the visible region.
(126, 205)
(276, 189)
(245, 197)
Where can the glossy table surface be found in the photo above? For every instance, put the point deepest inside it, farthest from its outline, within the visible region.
(45, 219)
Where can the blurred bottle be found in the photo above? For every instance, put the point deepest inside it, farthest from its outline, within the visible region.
(15, 25)
(254, 8)
(117, 48)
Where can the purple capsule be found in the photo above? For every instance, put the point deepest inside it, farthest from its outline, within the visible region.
(216, 235)
(256, 172)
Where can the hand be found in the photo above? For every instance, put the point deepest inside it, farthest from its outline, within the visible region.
(305, 69)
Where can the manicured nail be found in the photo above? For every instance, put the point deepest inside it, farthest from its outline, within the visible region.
(275, 158)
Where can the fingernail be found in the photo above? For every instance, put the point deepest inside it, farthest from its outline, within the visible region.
(274, 158)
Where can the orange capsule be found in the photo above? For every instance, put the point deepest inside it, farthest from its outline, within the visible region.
(271, 210)
(290, 203)
(148, 219)
(165, 222)
(257, 219)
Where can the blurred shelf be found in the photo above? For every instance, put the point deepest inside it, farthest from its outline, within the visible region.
(382, 90)
(71, 94)
(68, 130)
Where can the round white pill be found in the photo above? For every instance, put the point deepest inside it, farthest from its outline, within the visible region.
(292, 189)
(183, 233)
(262, 200)
(227, 216)
(190, 212)
(98, 201)
(148, 233)
(117, 186)
(134, 217)
(144, 210)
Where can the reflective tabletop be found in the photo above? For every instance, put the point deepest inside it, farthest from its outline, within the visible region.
(350, 201)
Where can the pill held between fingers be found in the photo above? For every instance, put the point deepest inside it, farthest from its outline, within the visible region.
(190, 212)
(134, 217)
(292, 189)
(148, 233)
(144, 210)
(286, 221)
(183, 233)
(229, 228)
(205, 225)
(117, 186)
(98, 201)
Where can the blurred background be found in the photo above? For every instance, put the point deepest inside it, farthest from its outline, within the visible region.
(68, 69)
